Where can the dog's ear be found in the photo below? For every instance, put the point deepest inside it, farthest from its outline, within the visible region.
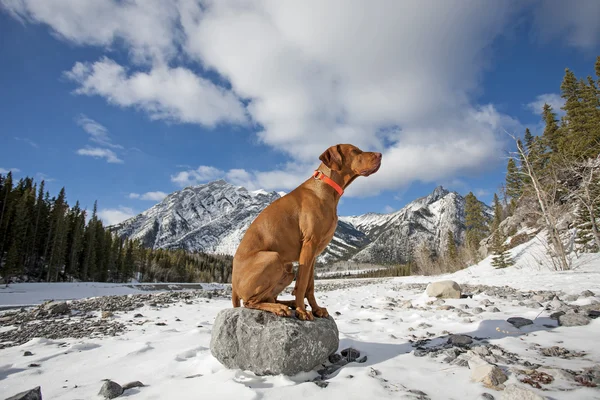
(332, 158)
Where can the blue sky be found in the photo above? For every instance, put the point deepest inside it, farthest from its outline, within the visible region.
(124, 102)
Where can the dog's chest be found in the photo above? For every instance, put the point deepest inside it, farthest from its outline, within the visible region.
(328, 234)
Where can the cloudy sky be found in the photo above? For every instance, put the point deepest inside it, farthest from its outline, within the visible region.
(124, 101)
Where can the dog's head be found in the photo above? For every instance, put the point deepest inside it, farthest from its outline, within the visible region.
(349, 160)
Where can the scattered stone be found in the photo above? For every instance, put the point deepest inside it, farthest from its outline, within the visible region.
(571, 297)
(338, 313)
(538, 297)
(587, 293)
(160, 324)
(193, 376)
(424, 325)
(561, 352)
(486, 302)
(557, 314)
(519, 322)
(34, 365)
(593, 314)
(138, 315)
(482, 371)
(110, 390)
(350, 354)
(27, 353)
(487, 396)
(445, 307)
(134, 384)
(460, 340)
(464, 306)
(334, 358)
(493, 309)
(322, 384)
(107, 314)
(517, 392)
(57, 308)
(573, 320)
(267, 344)
(477, 310)
(31, 394)
(420, 395)
(444, 290)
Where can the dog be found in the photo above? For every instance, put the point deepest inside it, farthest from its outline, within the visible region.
(296, 228)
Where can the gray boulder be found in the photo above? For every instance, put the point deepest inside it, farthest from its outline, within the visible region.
(573, 320)
(444, 290)
(266, 344)
(32, 394)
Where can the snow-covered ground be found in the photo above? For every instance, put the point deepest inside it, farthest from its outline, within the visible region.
(175, 362)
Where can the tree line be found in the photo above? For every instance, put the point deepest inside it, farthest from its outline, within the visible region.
(552, 174)
(42, 238)
(547, 177)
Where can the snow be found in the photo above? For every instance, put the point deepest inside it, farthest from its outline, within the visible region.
(165, 357)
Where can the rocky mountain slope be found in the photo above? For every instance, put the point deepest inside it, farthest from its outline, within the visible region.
(213, 218)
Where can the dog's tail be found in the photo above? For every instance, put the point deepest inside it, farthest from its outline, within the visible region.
(235, 299)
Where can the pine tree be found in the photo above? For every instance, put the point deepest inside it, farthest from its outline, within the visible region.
(58, 238)
(475, 221)
(514, 182)
(89, 256)
(501, 257)
(451, 250)
(497, 213)
(551, 130)
(529, 137)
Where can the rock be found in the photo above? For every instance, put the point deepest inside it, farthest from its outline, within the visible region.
(477, 310)
(134, 384)
(57, 307)
(518, 322)
(110, 390)
(493, 309)
(460, 340)
(573, 320)
(107, 314)
(587, 293)
(444, 290)
(593, 314)
(516, 392)
(138, 315)
(481, 350)
(556, 315)
(487, 396)
(31, 394)
(486, 302)
(270, 345)
(482, 371)
(350, 354)
(538, 297)
(571, 297)
(334, 358)
(27, 353)
(556, 304)
(464, 306)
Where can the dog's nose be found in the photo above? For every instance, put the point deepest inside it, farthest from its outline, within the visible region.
(378, 156)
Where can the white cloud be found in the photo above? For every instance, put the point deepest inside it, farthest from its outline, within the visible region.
(98, 133)
(6, 171)
(172, 94)
(152, 196)
(43, 177)
(28, 141)
(97, 152)
(482, 192)
(112, 216)
(395, 77)
(576, 26)
(552, 99)
(388, 209)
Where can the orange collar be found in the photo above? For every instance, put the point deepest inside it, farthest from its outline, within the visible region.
(321, 176)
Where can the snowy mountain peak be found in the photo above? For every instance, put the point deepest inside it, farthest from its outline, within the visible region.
(438, 193)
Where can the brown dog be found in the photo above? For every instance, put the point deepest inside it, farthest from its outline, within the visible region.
(296, 227)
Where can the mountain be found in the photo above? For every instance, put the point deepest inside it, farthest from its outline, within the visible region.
(213, 218)
(394, 236)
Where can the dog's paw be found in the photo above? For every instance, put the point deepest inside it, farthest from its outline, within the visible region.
(321, 312)
(284, 312)
(304, 315)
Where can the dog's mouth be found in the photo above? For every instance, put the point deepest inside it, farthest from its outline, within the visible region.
(367, 172)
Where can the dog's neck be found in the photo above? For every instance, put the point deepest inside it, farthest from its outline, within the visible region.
(343, 180)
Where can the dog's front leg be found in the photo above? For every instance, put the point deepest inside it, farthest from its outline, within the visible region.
(317, 311)
(307, 261)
